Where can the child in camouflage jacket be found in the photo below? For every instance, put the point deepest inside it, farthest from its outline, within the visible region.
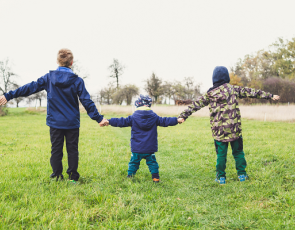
(225, 119)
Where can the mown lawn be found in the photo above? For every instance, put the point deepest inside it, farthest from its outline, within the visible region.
(186, 198)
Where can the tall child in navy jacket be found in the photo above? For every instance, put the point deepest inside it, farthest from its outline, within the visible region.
(63, 116)
(144, 136)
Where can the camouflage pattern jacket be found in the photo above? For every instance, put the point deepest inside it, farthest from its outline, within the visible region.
(225, 116)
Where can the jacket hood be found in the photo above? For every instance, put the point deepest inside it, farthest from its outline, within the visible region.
(220, 75)
(145, 119)
(62, 79)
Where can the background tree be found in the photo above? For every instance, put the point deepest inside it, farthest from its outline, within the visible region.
(118, 96)
(6, 76)
(192, 90)
(6, 81)
(106, 94)
(37, 97)
(79, 70)
(168, 90)
(189, 87)
(101, 96)
(277, 61)
(235, 80)
(178, 91)
(40, 96)
(197, 90)
(116, 70)
(283, 87)
(125, 93)
(19, 99)
(130, 92)
(283, 58)
(268, 70)
(154, 87)
(30, 99)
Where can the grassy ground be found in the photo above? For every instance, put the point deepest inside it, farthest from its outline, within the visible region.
(187, 197)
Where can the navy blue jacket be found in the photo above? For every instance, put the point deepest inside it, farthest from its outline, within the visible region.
(63, 89)
(144, 135)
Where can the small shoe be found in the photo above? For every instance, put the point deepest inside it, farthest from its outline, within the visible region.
(221, 180)
(242, 178)
(156, 180)
(53, 175)
(130, 176)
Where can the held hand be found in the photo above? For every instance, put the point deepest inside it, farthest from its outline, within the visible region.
(275, 97)
(3, 100)
(104, 122)
(180, 120)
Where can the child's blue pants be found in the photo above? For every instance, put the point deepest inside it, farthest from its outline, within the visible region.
(150, 161)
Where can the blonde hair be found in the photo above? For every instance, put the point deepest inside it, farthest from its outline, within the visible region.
(65, 57)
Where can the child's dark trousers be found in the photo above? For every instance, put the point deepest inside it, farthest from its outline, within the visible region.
(150, 161)
(238, 154)
(57, 137)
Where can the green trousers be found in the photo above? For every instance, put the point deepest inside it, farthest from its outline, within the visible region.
(238, 153)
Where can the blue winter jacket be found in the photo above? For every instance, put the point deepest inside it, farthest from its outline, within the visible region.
(144, 135)
(63, 89)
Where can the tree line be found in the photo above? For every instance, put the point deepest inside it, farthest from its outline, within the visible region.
(114, 93)
(271, 69)
(162, 92)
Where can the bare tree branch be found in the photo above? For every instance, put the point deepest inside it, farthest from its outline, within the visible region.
(79, 70)
(116, 70)
(6, 76)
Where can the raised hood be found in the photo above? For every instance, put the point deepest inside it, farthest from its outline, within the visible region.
(145, 119)
(220, 75)
(62, 79)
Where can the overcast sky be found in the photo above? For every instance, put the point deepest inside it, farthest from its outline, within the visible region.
(174, 39)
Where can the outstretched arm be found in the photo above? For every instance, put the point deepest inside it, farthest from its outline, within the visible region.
(26, 90)
(120, 122)
(195, 106)
(254, 93)
(88, 104)
(167, 121)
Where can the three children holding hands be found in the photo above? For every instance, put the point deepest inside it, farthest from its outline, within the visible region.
(63, 117)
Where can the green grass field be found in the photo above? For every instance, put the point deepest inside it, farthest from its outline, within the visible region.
(186, 198)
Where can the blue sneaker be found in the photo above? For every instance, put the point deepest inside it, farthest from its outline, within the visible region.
(242, 178)
(221, 180)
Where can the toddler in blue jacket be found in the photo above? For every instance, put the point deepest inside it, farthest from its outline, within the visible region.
(63, 116)
(144, 136)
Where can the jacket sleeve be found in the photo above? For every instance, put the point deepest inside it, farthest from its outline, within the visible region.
(88, 104)
(167, 121)
(195, 106)
(121, 122)
(252, 93)
(28, 89)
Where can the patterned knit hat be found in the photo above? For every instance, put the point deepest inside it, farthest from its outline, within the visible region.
(143, 100)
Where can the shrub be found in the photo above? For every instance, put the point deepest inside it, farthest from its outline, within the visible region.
(3, 111)
(283, 87)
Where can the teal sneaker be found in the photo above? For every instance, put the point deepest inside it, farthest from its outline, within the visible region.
(221, 180)
(242, 178)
